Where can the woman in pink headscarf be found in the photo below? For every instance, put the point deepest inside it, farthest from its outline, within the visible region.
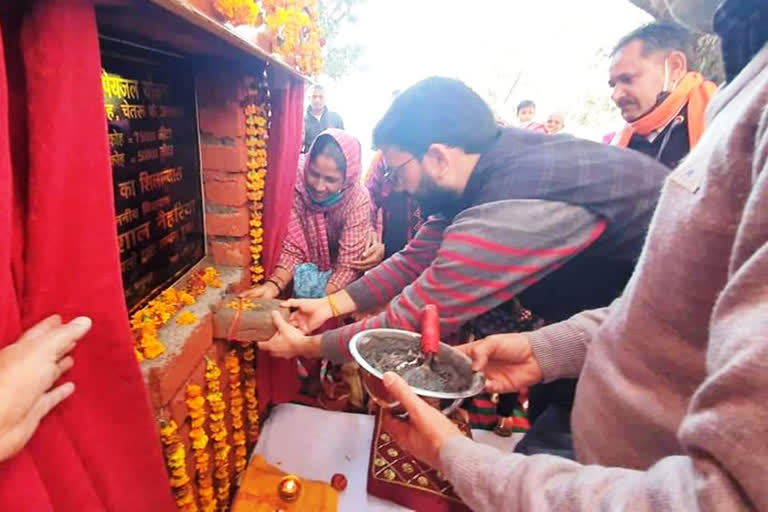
(329, 224)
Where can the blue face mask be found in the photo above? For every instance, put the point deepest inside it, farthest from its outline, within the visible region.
(328, 201)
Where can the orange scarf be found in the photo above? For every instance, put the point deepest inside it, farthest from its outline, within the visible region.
(693, 90)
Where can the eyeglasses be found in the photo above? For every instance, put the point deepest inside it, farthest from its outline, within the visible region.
(392, 174)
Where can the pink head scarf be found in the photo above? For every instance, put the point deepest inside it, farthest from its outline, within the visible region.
(308, 229)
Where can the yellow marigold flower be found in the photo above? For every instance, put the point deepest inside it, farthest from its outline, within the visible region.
(186, 318)
(217, 416)
(200, 444)
(197, 422)
(138, 355)
(196, 402)
(170, 296)
(221, 434)
(169, 428)
(187, 499)
(178, 482)
(187, 298)
(153, 350)
(193, 390)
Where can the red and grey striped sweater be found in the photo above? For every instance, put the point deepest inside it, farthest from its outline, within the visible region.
(533, 205)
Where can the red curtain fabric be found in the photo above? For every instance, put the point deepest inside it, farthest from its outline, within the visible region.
(99, 450)
(278, 380)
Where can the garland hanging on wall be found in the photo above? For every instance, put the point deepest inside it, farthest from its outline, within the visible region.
(236, 403)
(196, 410)
(176, 463)
(258, 116)
(251, 397)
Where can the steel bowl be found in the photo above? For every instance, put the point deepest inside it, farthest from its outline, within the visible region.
(372, 378)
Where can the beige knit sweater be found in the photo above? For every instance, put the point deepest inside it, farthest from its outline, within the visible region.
(672, 405)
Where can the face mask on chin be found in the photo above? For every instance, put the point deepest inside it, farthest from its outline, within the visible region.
(694, 14)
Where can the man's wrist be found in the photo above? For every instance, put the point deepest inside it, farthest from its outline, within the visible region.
(313, 347)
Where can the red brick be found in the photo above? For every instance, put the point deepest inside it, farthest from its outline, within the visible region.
(224, 158)
(231, 252)
(225, 189)
(228, 223)
(165, 382)
(222, 119)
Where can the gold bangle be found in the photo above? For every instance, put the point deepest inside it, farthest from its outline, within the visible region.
(334, 307)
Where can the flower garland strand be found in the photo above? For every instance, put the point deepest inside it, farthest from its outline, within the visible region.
(232, 364)
(158, 312)
(176, 462)
(251, 400)
(257, 134)
(218, 428)
(196, 411)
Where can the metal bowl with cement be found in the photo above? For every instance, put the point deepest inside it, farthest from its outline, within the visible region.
(450, 377)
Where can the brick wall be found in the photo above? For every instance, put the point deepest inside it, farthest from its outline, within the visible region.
(223, 154)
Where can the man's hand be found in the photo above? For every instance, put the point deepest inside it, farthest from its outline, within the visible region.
(507, 360)
(372, 254)
(28, 369)
(290, 342)
(310, 314)
(268, 290)
(426, 430)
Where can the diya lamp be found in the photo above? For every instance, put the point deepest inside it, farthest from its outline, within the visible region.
(289, 488)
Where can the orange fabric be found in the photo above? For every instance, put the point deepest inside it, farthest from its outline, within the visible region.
(694, 90)
(258, 492)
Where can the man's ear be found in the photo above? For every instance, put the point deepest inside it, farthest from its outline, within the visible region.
(440, 159)
(678, 66)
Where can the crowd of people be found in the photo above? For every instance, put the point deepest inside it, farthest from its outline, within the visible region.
(624, 284)
(561, 188)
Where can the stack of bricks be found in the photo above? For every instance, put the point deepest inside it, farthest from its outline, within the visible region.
(222, 147)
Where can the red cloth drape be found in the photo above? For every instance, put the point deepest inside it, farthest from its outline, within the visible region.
(278, 380)
(99, 450)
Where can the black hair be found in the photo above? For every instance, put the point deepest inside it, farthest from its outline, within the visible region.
(659, 37)
(437, 110)
(525, 103)
(326, 145)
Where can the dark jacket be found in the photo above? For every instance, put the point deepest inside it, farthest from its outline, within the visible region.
(314, 127)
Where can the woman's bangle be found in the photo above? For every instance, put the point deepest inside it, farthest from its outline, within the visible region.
(334, 308)
(276, 283)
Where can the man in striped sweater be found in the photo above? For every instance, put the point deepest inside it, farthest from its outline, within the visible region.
(554, 221)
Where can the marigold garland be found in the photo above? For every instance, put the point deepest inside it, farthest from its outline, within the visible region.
(176, 462)
(251, 400)
(218, 429)
(232, 363)
(296, 32)
(255, 143)
(238, 12)
(196, 411)
(159, 311)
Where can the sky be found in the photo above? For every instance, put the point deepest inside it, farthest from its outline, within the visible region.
(557, 48)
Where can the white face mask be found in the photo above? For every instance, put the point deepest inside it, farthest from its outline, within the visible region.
(695, 14)
(667, 86)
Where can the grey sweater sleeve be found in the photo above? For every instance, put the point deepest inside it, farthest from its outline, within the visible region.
(561, 348)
